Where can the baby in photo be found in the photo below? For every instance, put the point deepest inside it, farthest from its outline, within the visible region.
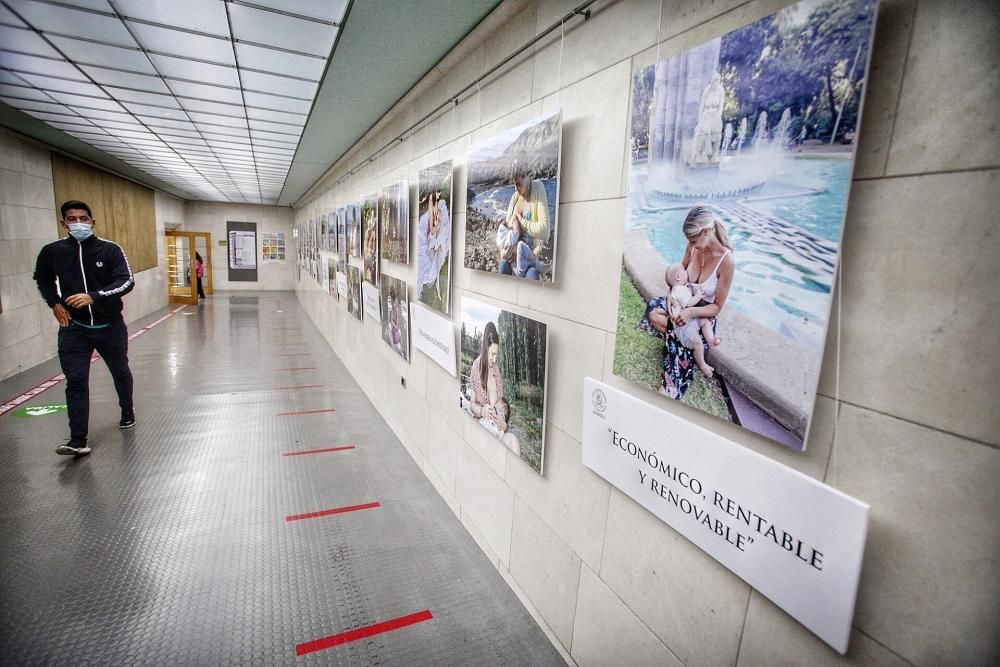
(690, 334)
(495, 419)
(524, 257)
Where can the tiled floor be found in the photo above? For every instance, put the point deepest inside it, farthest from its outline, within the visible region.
(169, 544)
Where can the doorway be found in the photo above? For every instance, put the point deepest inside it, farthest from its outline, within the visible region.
(183, 248)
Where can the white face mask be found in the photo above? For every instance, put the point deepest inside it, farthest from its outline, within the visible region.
(81, 231)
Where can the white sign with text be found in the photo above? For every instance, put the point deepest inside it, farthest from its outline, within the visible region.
(342, 284)
(796, 540)
(434, 335)
(372, 308)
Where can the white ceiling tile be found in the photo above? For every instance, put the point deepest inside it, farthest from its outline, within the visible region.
(293, 119)
(262, 101)
(172, 132)
(154, 99)
(7, 16)
(166, 122)
(7, 90)
(62, 85)
(280, 62)
(53, 18)
(126, 79)
(35, 105)
(112, 125)
(84, 103)
(10, 77)
(98, 115)
(201, 15)
(67, 117)
(269, 83)
(26, 41)
(99, 5)
(326, 10)
(218, 120)
(213, 107)
(293, 130)
(206, 92)
(196, 71)
(74, 127)
(156, 112)
(165, 40)
(103, 55)
(255, 25)
(275, 137)
(24, 63)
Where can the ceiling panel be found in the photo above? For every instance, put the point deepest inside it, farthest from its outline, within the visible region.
(205, 92)
(263, 101)
(325, 10)
(67, 21)
(90, 103)
(195, 71)
(25, 41)
(62, 85)
(280, 62)
(175, 42)
(7, 90)
(103, 55)
(126, 79)
(201, 15)
(213, 107)
(269, 83)
(20, 62)
(263, 27)
(154, 99)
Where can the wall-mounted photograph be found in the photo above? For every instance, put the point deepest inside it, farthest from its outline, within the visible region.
(394, 222)
(354, 291)
(369, 232)
(331, 274)
(742, 153)
(353, 214)
(434, 236)
(503, 366)
(395, 315)
(513, 200)
(342, 236)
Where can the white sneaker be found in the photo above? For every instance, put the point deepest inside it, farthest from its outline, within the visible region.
(73, 448)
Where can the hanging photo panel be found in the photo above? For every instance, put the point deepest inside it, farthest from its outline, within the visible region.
(503, 365)
(354, 291)
(394, 222)
(742, 154)
(434, 236)
(353, 215)
(513, 187)
(369, 230)
(395, 315)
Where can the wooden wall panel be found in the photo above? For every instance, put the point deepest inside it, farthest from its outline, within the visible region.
(125, 211)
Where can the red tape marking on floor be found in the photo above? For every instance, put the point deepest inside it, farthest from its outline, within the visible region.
(305, 386)
(304, 412)
(303, 368)
(53, 381)
(338, 510)
(361, 633)
(319, 451)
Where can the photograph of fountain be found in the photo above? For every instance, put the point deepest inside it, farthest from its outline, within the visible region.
(742, 150)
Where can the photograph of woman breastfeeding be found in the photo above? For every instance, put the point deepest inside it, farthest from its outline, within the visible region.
(434, 236)
(742, 151)
(513, 196)
(503, 359)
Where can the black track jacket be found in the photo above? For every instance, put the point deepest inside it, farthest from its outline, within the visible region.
(95, 266)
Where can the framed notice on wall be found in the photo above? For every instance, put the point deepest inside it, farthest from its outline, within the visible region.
(273, 247)
(242, 251)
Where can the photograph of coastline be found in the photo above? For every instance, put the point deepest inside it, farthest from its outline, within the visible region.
(395, 315)
(434, 236)
(503, 370)
(394, 222)
(369, 243)
(513, 200)
(742, 153)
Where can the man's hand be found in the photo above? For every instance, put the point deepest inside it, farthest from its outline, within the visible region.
(79, 300)
(62, 315)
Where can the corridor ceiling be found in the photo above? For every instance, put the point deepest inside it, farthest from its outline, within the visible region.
(217, 100)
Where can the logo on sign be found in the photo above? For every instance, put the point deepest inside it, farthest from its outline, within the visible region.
(100, 264)
(600, 401)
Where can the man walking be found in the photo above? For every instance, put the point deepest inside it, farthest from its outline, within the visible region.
(93, 274)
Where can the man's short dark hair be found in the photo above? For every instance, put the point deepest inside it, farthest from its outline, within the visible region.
(79, 205)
